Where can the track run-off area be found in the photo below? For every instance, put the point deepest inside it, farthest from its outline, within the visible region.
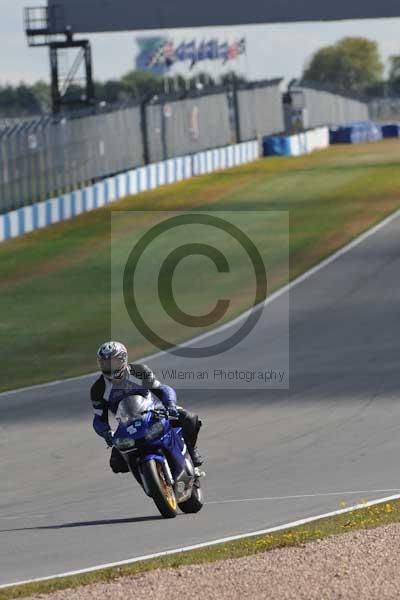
(272, 456)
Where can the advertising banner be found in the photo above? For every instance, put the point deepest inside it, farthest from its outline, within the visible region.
(159, 54)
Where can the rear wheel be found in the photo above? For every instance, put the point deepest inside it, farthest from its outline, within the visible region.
(195, 502)
(161, 492)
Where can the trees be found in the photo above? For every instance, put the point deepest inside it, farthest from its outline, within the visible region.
(33, 100)
(19, 100)
(350, 65)
(139, 84)
(41, 91)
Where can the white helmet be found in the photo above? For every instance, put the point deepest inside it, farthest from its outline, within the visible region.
(112, 358)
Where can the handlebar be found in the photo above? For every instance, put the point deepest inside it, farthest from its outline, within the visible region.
(160, 414)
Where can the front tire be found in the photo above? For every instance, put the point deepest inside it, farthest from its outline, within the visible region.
(195, 502)
(161, 492)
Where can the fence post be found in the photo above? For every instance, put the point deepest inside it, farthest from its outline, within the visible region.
(236, 112)
(34, 157)
(164, 131)
(145, 133)
(4, 175)
(11, 167)
(21, 155)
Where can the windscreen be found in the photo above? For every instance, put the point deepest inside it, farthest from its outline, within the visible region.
(133, 407)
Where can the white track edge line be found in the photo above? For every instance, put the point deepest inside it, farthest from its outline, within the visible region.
(299, 496)
(231, 538)
(318, 267)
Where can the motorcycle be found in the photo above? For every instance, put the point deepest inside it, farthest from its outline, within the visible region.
(157, 456)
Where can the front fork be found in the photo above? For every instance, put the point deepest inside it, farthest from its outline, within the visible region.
(165, 467)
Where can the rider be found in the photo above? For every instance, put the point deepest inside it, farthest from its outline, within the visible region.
(118, 381)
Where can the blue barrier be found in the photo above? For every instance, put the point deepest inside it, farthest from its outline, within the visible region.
(296, 144)
(391, 130)
(355, 133)
(276, 146)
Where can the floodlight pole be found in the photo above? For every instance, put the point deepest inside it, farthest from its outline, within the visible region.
(57, 97)
(39, 33)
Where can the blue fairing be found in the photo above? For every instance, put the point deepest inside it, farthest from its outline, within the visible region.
(156, 454)
(167, 444)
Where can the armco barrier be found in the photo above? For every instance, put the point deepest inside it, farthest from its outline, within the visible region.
(67, 206)
(297, 144)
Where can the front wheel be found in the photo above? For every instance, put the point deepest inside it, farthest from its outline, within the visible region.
(195, 502)
(161, 492)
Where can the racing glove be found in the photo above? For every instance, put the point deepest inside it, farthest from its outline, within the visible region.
(173, 412)
(109, 438)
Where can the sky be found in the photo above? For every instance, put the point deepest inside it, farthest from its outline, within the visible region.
(272, 50)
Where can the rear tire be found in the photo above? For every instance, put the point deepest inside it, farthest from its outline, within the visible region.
(195, 502)
(161, 492)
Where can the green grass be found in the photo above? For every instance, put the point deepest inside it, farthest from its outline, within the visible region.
(364, 518)
(55, 286)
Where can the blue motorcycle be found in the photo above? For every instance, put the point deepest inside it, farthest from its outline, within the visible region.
(157, 456)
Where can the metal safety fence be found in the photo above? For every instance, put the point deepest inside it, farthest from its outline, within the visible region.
(323, 107)
(260, 111)
(47, 157)
(44, 158)
(384, 109)
(186, 126)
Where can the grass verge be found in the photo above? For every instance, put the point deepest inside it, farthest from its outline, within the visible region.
(55, 285)
(363, 518)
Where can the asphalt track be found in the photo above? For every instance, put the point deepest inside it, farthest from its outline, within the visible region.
(272, 456)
